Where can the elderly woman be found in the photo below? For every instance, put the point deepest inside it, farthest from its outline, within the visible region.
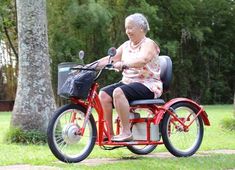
(137, 58)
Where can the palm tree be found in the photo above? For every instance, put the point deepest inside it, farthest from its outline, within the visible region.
(34, 101)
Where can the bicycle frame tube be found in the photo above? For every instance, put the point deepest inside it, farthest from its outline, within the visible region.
(161, 110)
(94, 101)
(201, 111)
(181, 122)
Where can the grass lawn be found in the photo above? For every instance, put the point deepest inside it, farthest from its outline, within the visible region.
(214, 138)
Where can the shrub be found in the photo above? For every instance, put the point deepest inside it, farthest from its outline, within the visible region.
(17, 135)
(229, 124)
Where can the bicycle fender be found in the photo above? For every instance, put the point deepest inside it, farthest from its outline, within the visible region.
(203, 113)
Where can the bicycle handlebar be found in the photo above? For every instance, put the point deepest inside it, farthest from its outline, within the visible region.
(82, 68)
(107, 67)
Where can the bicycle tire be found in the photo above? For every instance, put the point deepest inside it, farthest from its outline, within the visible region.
(66, 136)
(177, 146)
(146, 149)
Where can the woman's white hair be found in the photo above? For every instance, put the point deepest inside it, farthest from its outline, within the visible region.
(140, 20)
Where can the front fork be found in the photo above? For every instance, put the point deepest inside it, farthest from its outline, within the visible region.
(73, 118)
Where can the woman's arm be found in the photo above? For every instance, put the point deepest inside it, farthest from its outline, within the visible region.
(104, 61)
(148, 51)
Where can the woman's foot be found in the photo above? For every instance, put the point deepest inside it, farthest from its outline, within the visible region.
(122, 138)
(106, 138)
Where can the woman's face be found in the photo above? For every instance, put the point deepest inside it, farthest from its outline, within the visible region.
(133, 31)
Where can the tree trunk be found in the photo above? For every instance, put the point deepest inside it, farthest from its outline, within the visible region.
(34, 101)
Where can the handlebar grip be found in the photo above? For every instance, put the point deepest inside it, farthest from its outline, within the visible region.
(81, 68)
(115, 69)
(74, 68)
(110, 65)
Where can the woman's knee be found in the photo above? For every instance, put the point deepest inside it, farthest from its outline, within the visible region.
(104, 97)
(118, 93)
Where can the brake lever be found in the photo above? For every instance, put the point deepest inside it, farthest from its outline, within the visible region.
(114, 69)
(110, 67)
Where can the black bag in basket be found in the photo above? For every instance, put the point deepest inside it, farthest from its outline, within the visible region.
(78, 85)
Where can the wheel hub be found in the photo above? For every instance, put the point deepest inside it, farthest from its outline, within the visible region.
(69, 133)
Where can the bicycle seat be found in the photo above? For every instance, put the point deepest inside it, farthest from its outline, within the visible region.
(166, 76)
(147, 101)
(166, 71)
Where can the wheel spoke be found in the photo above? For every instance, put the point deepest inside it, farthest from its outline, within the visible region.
(181, 141)
(63, 140)
(142, 149)
(62, 145)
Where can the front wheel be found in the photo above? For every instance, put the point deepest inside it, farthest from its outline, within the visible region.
(64, 138)
(179, 141)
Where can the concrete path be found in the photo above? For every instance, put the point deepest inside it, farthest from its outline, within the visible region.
(98, 161)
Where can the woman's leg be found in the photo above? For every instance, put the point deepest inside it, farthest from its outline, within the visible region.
(106, 100)
(121, 97)
(107, 105)
(122, 107)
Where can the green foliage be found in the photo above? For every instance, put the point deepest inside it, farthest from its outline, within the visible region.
(198, 35)
(8, 43)
(193, 33)
(91, 26)
(229, 124)
(17, 135)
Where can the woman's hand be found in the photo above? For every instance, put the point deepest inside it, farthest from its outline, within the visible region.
(118, 65)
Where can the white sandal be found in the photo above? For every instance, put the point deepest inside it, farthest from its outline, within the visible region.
(120, 138)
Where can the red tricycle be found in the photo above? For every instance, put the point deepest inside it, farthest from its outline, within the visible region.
(178, 124)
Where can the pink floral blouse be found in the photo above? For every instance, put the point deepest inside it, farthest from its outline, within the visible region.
(149, 74)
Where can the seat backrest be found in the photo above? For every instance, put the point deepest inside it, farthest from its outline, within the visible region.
(166, 71)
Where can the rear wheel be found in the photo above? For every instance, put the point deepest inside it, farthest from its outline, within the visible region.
(141, 150)
(179, 141)
(64, 139)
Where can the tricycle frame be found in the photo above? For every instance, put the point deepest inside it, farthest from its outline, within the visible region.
(158, 110)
